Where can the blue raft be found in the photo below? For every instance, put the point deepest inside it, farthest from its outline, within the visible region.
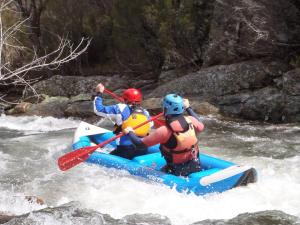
(217, 175)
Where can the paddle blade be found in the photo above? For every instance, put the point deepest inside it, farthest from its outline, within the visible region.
(71, 159)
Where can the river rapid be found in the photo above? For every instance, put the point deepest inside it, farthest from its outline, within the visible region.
(90, 194)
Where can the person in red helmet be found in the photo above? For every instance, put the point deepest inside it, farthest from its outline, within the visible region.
(132, 96)
(130, 113)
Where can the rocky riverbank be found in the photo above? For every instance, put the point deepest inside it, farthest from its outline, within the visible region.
(255, 90)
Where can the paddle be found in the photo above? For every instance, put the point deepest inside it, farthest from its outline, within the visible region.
(73, 158)
(114, 95)
(157, 123)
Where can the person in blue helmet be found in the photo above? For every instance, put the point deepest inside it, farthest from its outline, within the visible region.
(177, 139)
(130, 113)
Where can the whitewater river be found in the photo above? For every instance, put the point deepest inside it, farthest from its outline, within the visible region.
(89, 194)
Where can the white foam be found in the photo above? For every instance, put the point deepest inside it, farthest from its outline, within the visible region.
(16, 203)
(108, 191)
(4, 158)
(34, 124)
(251, 138)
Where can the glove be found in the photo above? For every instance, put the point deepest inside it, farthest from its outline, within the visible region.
(117, 129)
(128, 129)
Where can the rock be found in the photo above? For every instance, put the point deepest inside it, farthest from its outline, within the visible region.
(80, 109)
(153, 219)
(242, 30)
(138, 83)
(68, 86)
(204, 108)
(80, 97)
(152, 103)
(23, 107)
(34, 199)
(264, 104)
(74, 85)
(35, 99)
(50, 106)
(5, 218)
(263, 218)
(224, 79)
(253, 90)
(291, 82)
(291, 111)
(167, 76)
(269, 104)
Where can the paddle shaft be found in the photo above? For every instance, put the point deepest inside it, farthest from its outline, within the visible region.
(73, 158)
(114, 95)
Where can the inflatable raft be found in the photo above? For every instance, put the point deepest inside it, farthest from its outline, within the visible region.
(217, 175)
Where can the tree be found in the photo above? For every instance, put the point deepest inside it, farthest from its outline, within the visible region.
(31, 12)
(12, 73)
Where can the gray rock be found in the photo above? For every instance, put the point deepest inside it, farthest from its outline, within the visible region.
(167, 76)
(51, 106)
(254, 90)
(269, 104)
(224, 80)
(81, 97)
(263, 104)
(74, 85)
(152, 103)
(291, 111)
(5, 218)
(291, 82)
(22, 107)
(80, 109)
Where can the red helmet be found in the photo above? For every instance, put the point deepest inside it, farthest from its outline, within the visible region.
(132, 95)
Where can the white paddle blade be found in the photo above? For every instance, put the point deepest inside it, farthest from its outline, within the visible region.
(86, 129)
(223, 174)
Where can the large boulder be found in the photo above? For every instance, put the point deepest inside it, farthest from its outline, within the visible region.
(80, 106)
(69, 86)
(262, 104)
(247, 29)
(254, 90)
(82, 109)
(74, 85)
(224, 79)
(291, 90)
(52, 106)
(279, 103)
(291, 82)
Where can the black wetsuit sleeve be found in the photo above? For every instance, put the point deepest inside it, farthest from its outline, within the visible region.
(136, 140)
(191, 112)
(99, 94)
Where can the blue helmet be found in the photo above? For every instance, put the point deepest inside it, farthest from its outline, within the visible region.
(173, 104)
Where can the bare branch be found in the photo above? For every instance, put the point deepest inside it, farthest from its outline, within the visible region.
(11, 74)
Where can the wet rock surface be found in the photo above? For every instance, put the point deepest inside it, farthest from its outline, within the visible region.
(255, 90)
(73, 213)
(261, 218)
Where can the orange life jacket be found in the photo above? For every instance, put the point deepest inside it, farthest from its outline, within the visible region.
(182, 145)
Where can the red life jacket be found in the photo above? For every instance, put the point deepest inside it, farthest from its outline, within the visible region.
(182, 145)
